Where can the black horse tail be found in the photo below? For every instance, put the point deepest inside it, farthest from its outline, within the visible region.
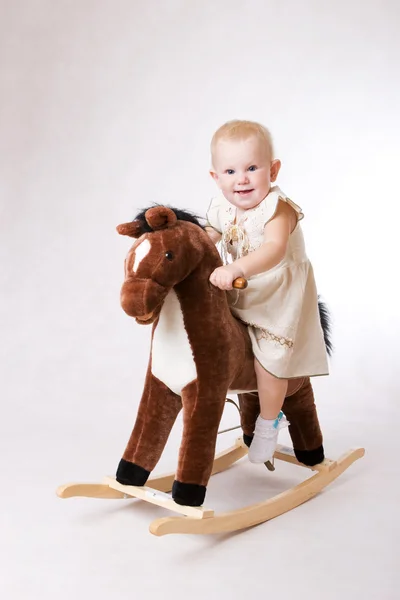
(326, 323)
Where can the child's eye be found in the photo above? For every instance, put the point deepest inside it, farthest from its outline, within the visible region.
(229, 171)
(253, 168)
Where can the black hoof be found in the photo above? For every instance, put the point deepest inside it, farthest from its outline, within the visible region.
(188, 494)
(130, 474)
(247, 439)
(310, 457)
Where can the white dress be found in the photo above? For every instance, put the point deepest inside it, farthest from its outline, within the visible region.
(280, 306)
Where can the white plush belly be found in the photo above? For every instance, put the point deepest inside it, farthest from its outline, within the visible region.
(172, 357)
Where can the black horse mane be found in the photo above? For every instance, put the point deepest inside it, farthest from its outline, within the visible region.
(181, 215)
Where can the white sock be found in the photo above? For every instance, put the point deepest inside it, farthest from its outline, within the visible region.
(265, 438)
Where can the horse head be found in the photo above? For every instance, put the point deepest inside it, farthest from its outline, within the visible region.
(170, 244)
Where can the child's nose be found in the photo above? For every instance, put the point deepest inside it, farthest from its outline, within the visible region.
(243, 179)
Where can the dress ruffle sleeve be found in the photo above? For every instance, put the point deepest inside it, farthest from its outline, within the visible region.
(270, 205)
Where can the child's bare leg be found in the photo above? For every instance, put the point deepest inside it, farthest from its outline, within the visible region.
(271, 392)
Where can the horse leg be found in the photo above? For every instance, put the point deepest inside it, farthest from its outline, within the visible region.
(304, 427)
(202, 414)
(157, 413)
(249, 405)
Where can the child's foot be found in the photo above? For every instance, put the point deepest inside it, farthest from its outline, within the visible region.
(265, 438)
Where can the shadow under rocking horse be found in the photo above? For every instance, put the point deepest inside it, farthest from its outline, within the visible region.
(199, 353)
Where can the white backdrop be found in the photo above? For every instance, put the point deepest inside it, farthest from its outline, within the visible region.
(107, 106)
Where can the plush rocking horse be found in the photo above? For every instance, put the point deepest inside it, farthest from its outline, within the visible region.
(200, 352)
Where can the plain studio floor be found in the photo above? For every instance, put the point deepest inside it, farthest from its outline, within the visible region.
(341, 544)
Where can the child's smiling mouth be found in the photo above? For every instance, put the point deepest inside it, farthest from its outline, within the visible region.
(244, 192)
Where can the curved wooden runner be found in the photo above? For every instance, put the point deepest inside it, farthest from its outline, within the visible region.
(203, 520)
(263, 511)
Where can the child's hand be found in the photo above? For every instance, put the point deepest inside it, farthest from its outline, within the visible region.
(223, 277)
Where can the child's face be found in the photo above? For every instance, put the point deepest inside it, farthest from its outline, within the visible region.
(243, 170)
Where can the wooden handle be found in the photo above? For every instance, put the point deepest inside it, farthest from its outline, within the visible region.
(240, 283)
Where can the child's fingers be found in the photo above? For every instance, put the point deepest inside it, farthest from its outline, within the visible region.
(214, 279)
(226, 281)
(221, 279)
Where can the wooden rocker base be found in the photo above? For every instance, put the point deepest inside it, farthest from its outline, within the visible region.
(203, 520)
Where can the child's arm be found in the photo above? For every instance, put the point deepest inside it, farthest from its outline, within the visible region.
(276, 236)
(213, 234)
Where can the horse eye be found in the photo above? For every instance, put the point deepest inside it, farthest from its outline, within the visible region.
(169, 255)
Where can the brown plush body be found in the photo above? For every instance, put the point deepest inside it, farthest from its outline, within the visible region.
(167, 283)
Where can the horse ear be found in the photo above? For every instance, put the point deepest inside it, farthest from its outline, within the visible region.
(160, 217)
(133, 229)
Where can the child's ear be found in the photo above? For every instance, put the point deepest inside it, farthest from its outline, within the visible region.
(214, 176)
(275, 168)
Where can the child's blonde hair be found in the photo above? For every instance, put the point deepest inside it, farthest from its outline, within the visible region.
(242, 130)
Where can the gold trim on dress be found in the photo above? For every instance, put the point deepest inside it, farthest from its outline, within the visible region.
(268, 335)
